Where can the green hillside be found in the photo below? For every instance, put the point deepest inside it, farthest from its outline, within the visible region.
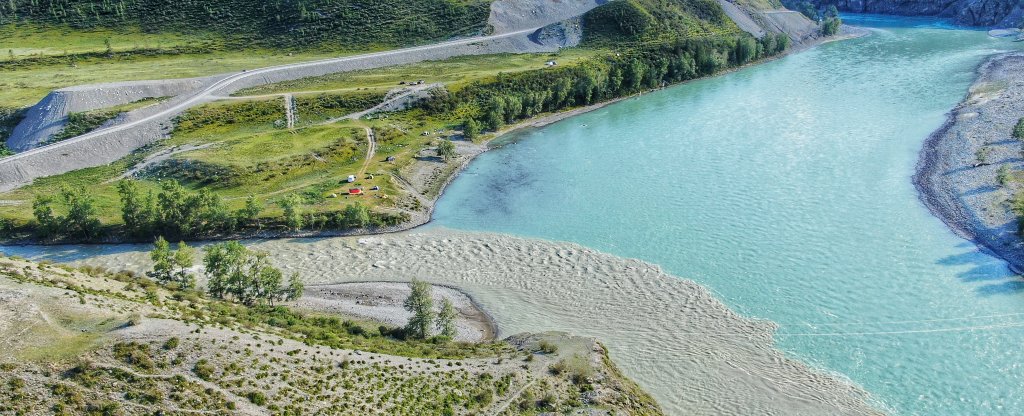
(645, 20)
(276, 23)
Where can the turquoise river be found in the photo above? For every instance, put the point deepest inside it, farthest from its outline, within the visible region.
(786, 189)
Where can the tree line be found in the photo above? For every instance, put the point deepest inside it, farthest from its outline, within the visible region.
(233, 272)
(514, 97)
(182, 214)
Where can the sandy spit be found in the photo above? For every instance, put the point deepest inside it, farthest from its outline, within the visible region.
(952, 183)
(670, 335)
(383, 302)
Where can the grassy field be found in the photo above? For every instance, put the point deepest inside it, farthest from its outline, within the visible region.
(27, 40)
(25, 85)
(250, 155)
(453, 72)
(241, 148)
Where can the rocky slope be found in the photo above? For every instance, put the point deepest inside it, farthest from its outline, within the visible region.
(986, 13)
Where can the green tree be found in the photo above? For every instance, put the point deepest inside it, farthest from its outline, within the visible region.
(238, 273)
(222, 261)
(80, 220)
(295, 288)
(182, 259)
(163, 267)
(421, 304)
(291, 205)
(47, 225)
(471, 129)
(176, 217)
(250, 211)
(136, 212)
(1018, 130)
(356, 215)
(446, 320)
(830, 26)
(446, 149)
(746, 50)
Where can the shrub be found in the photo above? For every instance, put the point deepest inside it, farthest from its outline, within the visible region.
(171, 343)
(256, 398)
(134, 353)
(547, 347)
(204, 370)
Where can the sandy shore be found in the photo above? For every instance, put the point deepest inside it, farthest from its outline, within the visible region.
(692, 353)
(952, 182)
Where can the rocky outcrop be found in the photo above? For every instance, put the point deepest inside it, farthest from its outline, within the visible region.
(758, 21)
(986, 13)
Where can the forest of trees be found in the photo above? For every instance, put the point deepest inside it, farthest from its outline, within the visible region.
(514, 97)
(180, 214)
(233, 272)
(277, 23)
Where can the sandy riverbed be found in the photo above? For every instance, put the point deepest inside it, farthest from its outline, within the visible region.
(692, 353)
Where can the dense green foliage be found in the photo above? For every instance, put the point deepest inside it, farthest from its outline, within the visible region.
(1018, 130)
(81, 123)
(518, 96)
(446, 149)
(420, 304)
(830, 26)
(77, 221)
(172, 266)
(250, 112)
(276, 23)
(9, 118)
(319, 107)
(175, 211)
(646, 20)
(245, 276)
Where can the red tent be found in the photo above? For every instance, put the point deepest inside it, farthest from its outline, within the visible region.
(355, 191)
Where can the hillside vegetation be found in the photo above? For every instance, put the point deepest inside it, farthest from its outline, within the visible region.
(647, 20)
(93, 342)
(51, 44)
(278, 23)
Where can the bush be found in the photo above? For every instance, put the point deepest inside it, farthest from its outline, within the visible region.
(547, 347)
(203, 370)
(1018, 130)
(256, 398)
(134, 353)
(831, 26)
(171, 343)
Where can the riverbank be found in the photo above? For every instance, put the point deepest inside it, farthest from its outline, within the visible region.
(690, 351)
(418, 185)
(961, 187)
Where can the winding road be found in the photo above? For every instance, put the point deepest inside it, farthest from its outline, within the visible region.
(209, 92)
